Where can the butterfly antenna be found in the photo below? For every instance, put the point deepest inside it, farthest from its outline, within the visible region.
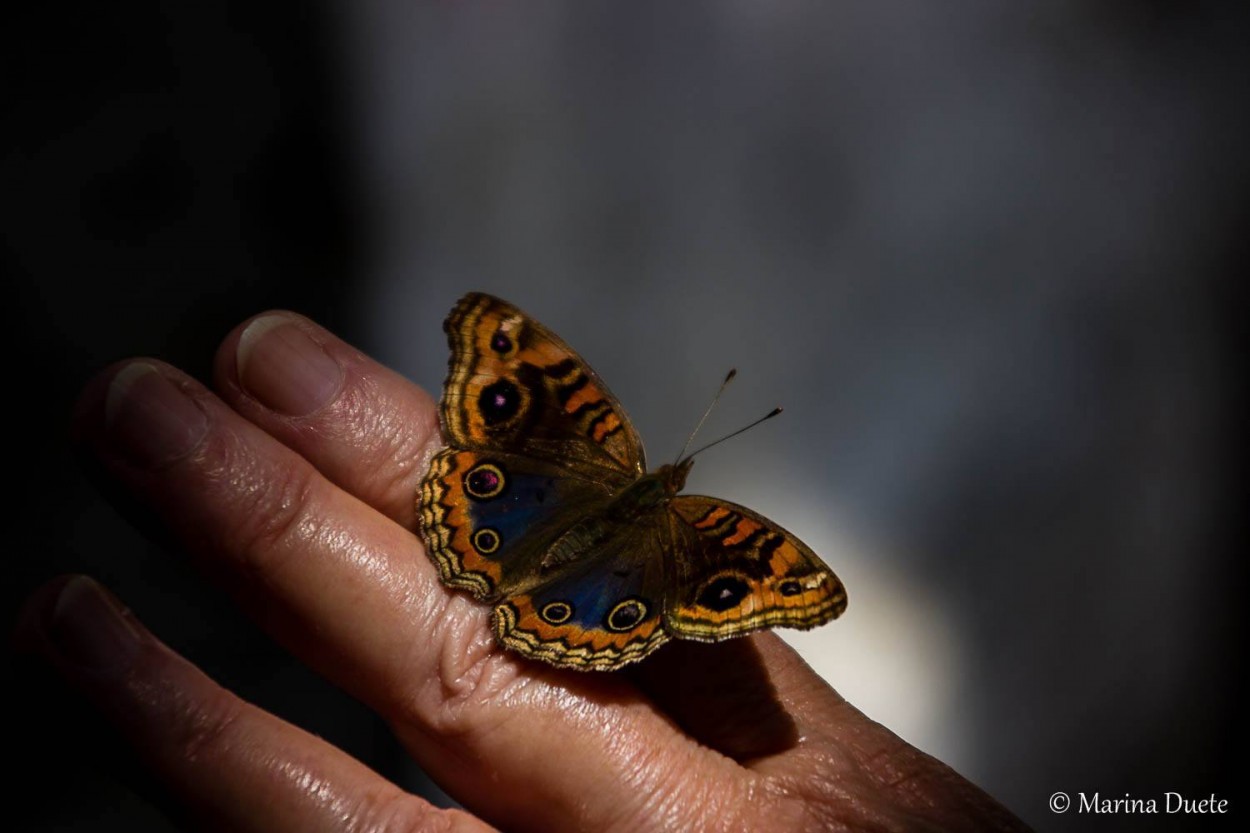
(766, 416)
(728, 378)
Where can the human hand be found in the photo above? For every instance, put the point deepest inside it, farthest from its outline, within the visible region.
(294, 487)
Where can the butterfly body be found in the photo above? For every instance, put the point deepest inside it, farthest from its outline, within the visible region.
(542, 506)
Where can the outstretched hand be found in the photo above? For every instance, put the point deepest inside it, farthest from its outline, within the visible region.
(293, 486)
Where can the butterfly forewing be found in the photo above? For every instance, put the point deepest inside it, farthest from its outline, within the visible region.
(513, 385)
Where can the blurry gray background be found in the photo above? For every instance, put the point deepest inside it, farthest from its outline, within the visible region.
(983, 254)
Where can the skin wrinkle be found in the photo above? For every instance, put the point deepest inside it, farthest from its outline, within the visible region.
(279, 509)
(761, 807)
(890, 764)
(375, 573)
(316, 787)
(776, 808)
(636, 767)
(386, 440)
(672, 801)
(398, 814)
(657, 773)
(688, 804)
(825, 800)
(160, 689)
(812, 773)
(717, 801)
(374, 568)
(269, 503)
(618, 731)
(205, 727)
(501, 681)
(825, 785)
(382, 808)
(473, 711)
(494, 694)
(429, 620)
(378, 808)
(467, 668)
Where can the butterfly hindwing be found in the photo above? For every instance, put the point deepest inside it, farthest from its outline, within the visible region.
(513, 385)
(737, 572)
(596, 613)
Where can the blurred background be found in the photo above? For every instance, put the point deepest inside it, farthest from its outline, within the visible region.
(983, 253)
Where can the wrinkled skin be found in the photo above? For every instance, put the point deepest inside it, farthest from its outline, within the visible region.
(292, 485)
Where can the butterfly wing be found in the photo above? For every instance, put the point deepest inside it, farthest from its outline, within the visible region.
(736, 572)
(515, 386)
(536, 441)
(487, 519)
(596, 613)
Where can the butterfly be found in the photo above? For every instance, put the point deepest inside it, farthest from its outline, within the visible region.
(541, 505)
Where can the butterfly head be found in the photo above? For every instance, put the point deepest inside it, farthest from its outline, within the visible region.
(673, 475)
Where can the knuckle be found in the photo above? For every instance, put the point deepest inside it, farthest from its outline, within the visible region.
(669, 798)
(201, 730)
(468, 680)
(466, 703)
(821, 794)
(391, 441)
(270, 510)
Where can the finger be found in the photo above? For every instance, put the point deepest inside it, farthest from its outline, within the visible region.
(228, 764)
(354, 595)
(363, 426)
(333, 579)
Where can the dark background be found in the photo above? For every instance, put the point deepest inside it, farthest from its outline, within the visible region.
(985, 254)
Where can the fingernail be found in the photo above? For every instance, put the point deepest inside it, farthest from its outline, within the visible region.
(284, 368)
(152, 421)
(88, 628)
